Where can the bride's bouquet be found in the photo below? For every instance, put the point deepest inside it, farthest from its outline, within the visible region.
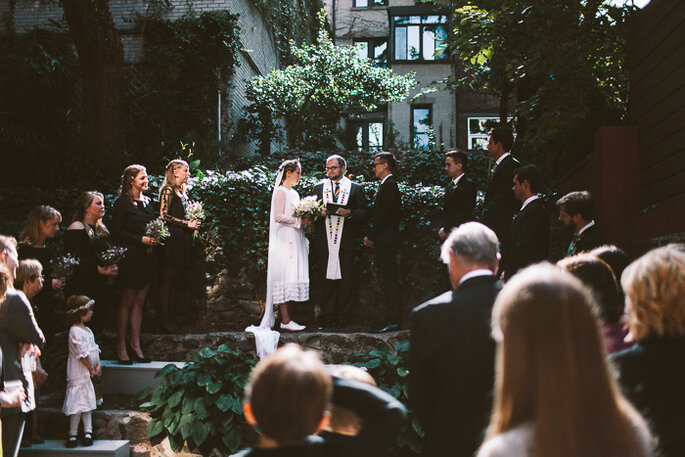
(309, 208)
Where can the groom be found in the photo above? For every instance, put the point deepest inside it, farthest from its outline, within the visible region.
(338, 236)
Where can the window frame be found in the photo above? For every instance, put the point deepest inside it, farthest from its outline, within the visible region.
(370, 4)
(422, 13)
(485, 135)
(412, 131)
(366, 125)
(371, 44)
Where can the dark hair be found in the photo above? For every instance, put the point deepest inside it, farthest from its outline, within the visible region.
(387, 157)
(74, 302)
(577, 203)
(289, 166)
(598, 277)
(503, 135)
(289, 392)
(458, 157)
(530, 173)
(615, 257)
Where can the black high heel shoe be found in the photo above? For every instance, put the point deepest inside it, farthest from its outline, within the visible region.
(136, 358)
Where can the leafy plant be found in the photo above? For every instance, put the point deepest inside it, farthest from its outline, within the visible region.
(390, 370)
(201, 403)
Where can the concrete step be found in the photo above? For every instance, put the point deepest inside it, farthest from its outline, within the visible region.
(131, 379)
(100, 448)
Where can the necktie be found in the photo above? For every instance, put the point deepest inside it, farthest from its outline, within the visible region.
(572, 246)
(336, 192)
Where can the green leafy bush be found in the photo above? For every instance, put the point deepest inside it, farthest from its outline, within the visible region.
(201, 403)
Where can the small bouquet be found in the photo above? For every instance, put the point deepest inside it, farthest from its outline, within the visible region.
(63, 267)
(111, 256)
(157, 230)
(195, 212)
(309, 208)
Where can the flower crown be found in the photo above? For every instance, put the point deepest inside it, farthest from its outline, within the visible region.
(81, 308)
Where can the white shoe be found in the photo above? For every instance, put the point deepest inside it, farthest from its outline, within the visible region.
(292, 326)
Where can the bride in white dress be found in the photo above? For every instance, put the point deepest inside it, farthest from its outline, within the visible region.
(287, 278)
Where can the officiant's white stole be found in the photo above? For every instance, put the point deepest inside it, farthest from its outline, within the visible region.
(335, 224)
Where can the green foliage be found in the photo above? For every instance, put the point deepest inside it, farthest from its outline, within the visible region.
(184, 63)
(201, 403)
(325, 83)
(563, 61)
(390, 369)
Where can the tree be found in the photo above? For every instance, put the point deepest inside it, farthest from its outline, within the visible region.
(563, 60)
(326, 83)
(101, 59)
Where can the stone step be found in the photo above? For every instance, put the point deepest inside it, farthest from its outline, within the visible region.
(131, 379)
(100, 448)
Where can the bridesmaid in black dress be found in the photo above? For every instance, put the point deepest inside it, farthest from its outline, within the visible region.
(131, 213)
(42, 225)
(86, 238)
(178, 247)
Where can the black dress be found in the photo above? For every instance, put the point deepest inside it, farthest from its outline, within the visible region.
(44, 302)
(178, 247)
(128, 228)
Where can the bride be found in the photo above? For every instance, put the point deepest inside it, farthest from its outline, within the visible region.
(287, 277)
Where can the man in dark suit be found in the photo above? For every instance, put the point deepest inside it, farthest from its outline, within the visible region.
(338, 235)
(384, 236)
(500, 203)
(530, 228)
(575, 211)
(460, 193)
(452, 355)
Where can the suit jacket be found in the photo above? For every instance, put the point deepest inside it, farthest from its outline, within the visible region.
(451, 367)
(459, 202)
(387, 212)
(589, 239)
(652, 377)
(351, 236)
(529, 238)
(500, 203)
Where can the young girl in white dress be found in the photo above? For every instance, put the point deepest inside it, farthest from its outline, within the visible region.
(82, 365)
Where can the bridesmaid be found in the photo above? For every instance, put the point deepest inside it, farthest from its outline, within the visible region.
(86, 237)
(42, 225)
(178, 247)
(131, 213)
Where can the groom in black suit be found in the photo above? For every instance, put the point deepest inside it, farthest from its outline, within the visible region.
(460, 193)
(385, 236)
(530, 228)
(452, 355)
(338, 294)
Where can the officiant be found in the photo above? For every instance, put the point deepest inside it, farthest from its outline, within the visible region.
(338, 237)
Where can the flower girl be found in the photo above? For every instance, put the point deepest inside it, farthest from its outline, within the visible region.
(82, 365)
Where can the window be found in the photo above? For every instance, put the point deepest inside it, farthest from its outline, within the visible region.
(369, 136)
(369, 3)
(419, 37)
(375, 49)
(422, 126)
(479, 128)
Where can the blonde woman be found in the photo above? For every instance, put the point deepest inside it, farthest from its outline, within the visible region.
(554, 395)
(178, 247)
(131, 213)
(42, 225)
(652, 373)
(86, 237)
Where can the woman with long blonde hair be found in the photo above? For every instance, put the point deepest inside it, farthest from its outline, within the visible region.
(554, 395)
(177, 248)
(131, 213)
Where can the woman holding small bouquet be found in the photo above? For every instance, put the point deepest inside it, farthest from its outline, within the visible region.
(177, 250)
(132, 213)
(287, 277)
(87, 238)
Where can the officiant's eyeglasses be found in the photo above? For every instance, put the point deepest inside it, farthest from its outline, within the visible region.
(331, 168)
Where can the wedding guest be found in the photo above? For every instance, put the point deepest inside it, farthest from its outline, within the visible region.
(651, 373)
(576, 212)
(460, 193)
(554, 395)
(86, 238)
(177, 248)
(42, 225)
(287, 400)
(19, 334)
(608, 302)
(131, 213)
(616, 258)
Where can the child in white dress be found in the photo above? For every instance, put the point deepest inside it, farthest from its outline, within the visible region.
(82, 365)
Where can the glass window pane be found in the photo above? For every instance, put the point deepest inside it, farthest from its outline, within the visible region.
(361, 3)
(431, 19)
(414, 19)
(421, 119)
(375, 136)
(380, 54)
(380, 2)
(362, 48)
(401, 43)
(440, 42)
(413, 42)
(400, 20)
(428, 43)
(421, 141)
(359, 138)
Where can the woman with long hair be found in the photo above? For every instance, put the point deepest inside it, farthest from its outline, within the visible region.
(554, 395)
(131, 213)
(42, 225)
(177, 248)
(87, 237)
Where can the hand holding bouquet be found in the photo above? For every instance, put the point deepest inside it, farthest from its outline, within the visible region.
(63, 267)
(157, 231)
(195, 213)
(111, 256)
(308, 208)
